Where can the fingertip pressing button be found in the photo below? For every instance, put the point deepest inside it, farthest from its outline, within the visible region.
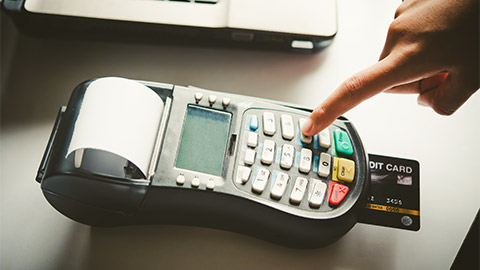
(305, 139)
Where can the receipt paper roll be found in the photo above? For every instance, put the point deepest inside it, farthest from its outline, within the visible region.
(120, 116)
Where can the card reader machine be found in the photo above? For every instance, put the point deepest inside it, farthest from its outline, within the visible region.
(127, 152)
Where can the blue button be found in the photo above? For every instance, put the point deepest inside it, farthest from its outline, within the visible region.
(253, 122)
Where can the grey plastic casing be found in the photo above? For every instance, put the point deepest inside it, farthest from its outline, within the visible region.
(104, 200)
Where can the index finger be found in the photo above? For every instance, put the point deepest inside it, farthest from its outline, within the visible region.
(361, 86)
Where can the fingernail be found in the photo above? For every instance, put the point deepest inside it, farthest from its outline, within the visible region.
(307, 125)
(422, 102)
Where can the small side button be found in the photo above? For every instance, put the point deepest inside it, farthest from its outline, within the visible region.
(211, 184)
(196, 182)
(226, 102)
(212, 99)
(180, 179)
(198, 96)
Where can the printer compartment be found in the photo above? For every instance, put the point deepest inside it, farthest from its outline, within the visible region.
(82, 174)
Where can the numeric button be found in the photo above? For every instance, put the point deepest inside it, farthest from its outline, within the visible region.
(286, 123)
(260, 180)
(286, 161)
(324, 138)
(278, 188)
(305, 139)
(269, 123)
(298, 190)
(268, 152)
(324, 165)
(316, 193)
(305, 160)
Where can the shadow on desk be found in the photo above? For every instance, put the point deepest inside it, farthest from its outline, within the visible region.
(178, 247)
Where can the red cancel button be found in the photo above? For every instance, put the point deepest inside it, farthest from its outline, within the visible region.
(337, 193)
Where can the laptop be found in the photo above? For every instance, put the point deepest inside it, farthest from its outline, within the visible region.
(306, 25)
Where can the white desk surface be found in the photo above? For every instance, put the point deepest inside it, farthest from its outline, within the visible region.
(38, 76)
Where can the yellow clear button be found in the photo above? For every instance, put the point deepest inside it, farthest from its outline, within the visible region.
(346, 169)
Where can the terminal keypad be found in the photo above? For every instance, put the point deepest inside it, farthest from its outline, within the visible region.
(277, 162)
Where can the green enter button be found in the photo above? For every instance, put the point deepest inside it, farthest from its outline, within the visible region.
(343, 145)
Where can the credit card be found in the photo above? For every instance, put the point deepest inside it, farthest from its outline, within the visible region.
(393, 198)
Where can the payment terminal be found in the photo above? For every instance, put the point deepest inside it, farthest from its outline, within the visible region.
(126, 152)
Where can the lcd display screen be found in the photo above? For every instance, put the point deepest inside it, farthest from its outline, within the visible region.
(204, 140)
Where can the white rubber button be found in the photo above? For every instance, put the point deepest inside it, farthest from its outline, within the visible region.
(303, 138)
(212, 99)
(278, 188)
(195, 181)
(211, 184)
(180, 179)
(298, 190)
(324, 165)
(268, 152)
(252, 139)
(260, 180)
(250, 156)
(226, 102)
(286, 123)
(316, 193)
(288, 151)
(324, 138)
(305, 160)
(243, 174)
(268, 123)
(198, 96)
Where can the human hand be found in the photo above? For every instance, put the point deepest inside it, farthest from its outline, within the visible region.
(432, 49)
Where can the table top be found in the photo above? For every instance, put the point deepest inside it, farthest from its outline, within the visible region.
(38, 75)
